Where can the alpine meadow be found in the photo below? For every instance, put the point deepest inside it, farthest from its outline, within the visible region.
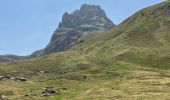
(91, 58)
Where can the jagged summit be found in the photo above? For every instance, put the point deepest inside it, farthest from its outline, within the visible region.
(87, 16)
(72, 27)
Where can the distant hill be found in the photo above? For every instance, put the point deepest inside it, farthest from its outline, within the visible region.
(5, 58)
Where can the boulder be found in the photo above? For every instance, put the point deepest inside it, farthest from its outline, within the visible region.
(4, 77)
(43, 71)
(3, 97)
(50, 91)
(20, 79)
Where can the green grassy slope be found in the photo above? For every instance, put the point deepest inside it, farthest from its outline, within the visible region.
(129, 62)
(143, 38)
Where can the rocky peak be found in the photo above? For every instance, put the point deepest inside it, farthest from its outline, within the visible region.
(73, 26)
(91, 15)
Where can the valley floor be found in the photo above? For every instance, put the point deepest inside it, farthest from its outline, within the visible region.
(119, 81)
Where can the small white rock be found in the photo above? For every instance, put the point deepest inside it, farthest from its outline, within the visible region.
(3, 96)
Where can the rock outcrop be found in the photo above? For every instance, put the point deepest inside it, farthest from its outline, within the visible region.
(87, 19)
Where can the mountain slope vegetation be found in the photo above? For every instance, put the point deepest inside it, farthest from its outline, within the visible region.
(129, 62)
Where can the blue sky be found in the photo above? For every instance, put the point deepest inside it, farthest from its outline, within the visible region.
(27, 25)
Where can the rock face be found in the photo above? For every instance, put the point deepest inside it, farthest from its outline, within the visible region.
(73, 26)
(87, 16)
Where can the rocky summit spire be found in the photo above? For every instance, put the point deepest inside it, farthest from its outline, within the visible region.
(72, 27)
(91, 15)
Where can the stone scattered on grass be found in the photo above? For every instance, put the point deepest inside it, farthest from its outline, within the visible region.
(3, 97)
(12, 78)
(50, 91)
(43, 71)
(20, 79)
(4, 77)
(47, 91)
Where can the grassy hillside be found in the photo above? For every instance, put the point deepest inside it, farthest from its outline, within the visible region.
(128, 62)
(143, 38)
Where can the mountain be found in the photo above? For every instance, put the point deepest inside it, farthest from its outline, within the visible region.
(73, 27)
(5, 58)
(128, 62)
